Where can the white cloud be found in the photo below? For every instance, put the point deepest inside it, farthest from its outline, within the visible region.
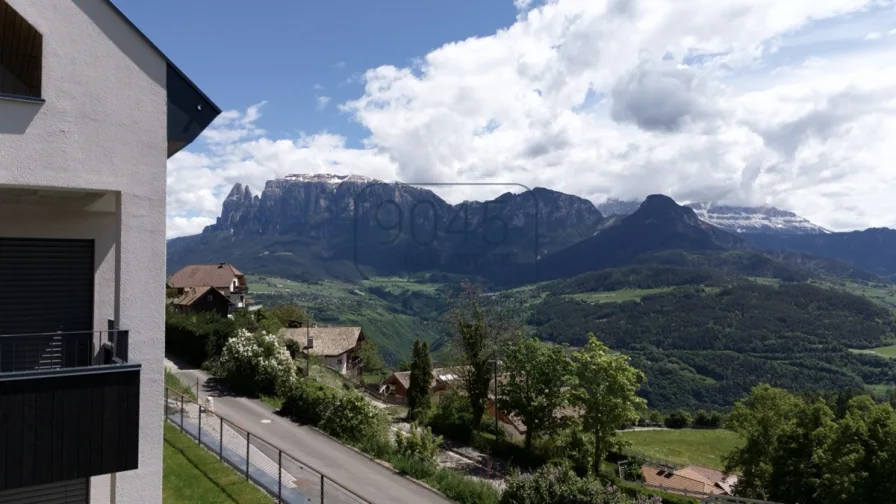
(874, 36)
(322, 102)
(576, 96)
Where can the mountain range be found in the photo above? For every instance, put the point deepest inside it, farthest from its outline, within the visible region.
(734, 219)
(708, 300)
(351, 227)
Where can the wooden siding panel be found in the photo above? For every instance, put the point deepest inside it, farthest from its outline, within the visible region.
(69, 426)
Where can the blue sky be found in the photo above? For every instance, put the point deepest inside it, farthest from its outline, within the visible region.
(748, 102)
(283, 50)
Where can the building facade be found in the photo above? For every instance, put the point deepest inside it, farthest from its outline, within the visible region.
(90, 111)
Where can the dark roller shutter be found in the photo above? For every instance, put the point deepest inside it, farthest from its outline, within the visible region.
(45, 286)
(65, 492)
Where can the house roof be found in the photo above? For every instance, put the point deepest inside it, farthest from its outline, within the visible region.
(683, 479)
(193, 294)
(445, 375)
(186, 116)
(724, 481)
(511, 419)
(216, 275)
(328, 341)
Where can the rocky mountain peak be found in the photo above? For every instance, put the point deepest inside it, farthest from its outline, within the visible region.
(661, 208)
(731, 218)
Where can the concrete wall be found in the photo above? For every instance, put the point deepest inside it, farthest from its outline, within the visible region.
(339, 363)
(103, 126)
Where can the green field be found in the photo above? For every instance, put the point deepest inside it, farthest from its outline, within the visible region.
(703, 447)
(882, 293)
(617, 296)
(192, 475)
(887, 351)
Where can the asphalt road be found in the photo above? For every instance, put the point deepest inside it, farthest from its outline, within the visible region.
(366, 478)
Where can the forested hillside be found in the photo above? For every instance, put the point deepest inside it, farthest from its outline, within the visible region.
(705, 346)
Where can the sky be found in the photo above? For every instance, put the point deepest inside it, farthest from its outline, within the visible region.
(749, 102)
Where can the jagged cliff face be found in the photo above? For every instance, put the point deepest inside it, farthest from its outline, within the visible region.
(320, 226)
(387, 226)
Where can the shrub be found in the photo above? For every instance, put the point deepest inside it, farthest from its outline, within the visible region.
(644, 495)
(346, 415)
(257, 364)
(678, 420)
(631, 471)
(289, 315)
(352, 418)
(552, 484)
(708, 420)
(570, 444)
(306, 401)
(197, 337)
(462, 489)
(453, 418)
(418, 444)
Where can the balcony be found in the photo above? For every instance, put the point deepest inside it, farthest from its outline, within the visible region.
(70, 407)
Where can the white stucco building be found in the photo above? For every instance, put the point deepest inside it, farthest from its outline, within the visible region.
(90, 111)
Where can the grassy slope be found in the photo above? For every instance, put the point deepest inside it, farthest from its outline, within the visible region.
(351, 304)
(618, 295)
(703, 447)
(192, 475)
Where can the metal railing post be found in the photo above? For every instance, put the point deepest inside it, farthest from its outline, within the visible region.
(181, 413)
(321, 489)
(248, 445)
(199, 435)
(279, 476)
(221, 439)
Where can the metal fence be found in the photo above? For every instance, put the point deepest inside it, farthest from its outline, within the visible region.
(286, 478)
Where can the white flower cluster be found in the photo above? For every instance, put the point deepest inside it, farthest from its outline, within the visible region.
(261, 358)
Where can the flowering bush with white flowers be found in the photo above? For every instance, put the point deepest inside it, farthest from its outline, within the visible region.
(257, 363)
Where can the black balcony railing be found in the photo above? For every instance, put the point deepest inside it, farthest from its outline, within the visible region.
(69, 407)
(62, 350)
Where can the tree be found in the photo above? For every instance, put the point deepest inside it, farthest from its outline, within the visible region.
(478, 335)
(760, 419)
(606, 392)
(858, 467)
(798, 464)
(678, 420)
(372, 361)
(536, 377)
(290, 316)
(421, 379)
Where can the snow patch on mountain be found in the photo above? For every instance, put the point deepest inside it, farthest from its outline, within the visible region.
(329, 178)
(735, 219)
(763, 219)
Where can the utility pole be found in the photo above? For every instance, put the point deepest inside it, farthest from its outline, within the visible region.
(309, 344)
(496, 402)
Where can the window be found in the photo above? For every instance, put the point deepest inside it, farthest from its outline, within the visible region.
(209, 298)
(21, 54)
